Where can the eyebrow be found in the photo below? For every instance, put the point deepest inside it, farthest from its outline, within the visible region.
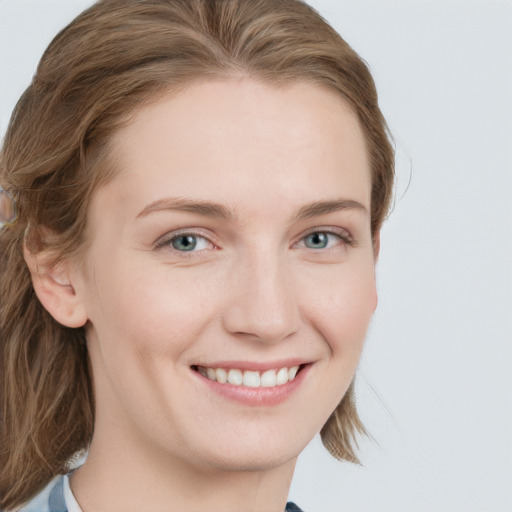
(324, 207)
(204, 208)
(219, 211)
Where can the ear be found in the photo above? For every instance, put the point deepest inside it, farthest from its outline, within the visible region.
(53, 285)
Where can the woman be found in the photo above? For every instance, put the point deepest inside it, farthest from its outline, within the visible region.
(200, 187)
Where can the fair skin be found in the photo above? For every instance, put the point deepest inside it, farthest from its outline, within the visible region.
(279, 272)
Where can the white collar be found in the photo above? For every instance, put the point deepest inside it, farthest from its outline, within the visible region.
(71, 503)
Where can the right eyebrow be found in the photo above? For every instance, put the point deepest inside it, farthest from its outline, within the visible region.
(205, 208)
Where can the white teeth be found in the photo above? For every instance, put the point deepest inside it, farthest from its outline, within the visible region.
(235, 377)
(221, 376)
(250, 378)
(292, 372)
(282, 376)
(268, 379)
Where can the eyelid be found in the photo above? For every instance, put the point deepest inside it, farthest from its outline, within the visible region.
(342, 233)
(165, 240)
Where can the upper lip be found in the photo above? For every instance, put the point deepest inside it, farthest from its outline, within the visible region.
(255, 365)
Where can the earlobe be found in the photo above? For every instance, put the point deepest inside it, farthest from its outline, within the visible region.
(54, 288)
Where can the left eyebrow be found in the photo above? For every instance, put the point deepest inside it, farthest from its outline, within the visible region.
(324, 207)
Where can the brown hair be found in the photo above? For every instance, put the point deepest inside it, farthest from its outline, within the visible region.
(114, 57)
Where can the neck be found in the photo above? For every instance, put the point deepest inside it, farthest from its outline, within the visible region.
(118, 479)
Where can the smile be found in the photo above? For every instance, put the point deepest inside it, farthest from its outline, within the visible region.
(250, 378)
(252, 383)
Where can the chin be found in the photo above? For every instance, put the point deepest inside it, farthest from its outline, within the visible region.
(253, 453)
(252, 462)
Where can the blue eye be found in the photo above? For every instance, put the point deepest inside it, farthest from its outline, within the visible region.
(317, 240)
(184, 243)
(323, 240)
(188, 242)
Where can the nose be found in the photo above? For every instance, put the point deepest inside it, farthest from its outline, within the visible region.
(264, 301)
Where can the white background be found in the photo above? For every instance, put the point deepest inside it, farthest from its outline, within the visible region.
(435, 380)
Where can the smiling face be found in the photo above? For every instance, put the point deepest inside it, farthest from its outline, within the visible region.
(234, 242)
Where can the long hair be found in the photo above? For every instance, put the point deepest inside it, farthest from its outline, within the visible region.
(113, 58)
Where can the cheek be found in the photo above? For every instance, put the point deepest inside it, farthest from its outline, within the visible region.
(342, 308)
(157, 311)
(141, 327)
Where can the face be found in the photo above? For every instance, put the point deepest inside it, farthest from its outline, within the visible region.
(234, 243)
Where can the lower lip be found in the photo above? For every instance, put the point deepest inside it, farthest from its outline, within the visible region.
(259, 396)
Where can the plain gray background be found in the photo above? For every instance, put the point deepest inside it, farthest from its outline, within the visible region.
(435, 381)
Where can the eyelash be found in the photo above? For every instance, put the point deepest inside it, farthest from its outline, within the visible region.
(343, 236)
(166, 241)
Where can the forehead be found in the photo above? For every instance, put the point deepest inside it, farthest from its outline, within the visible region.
(230, 140)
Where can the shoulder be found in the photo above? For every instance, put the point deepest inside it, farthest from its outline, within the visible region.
(50, 499)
